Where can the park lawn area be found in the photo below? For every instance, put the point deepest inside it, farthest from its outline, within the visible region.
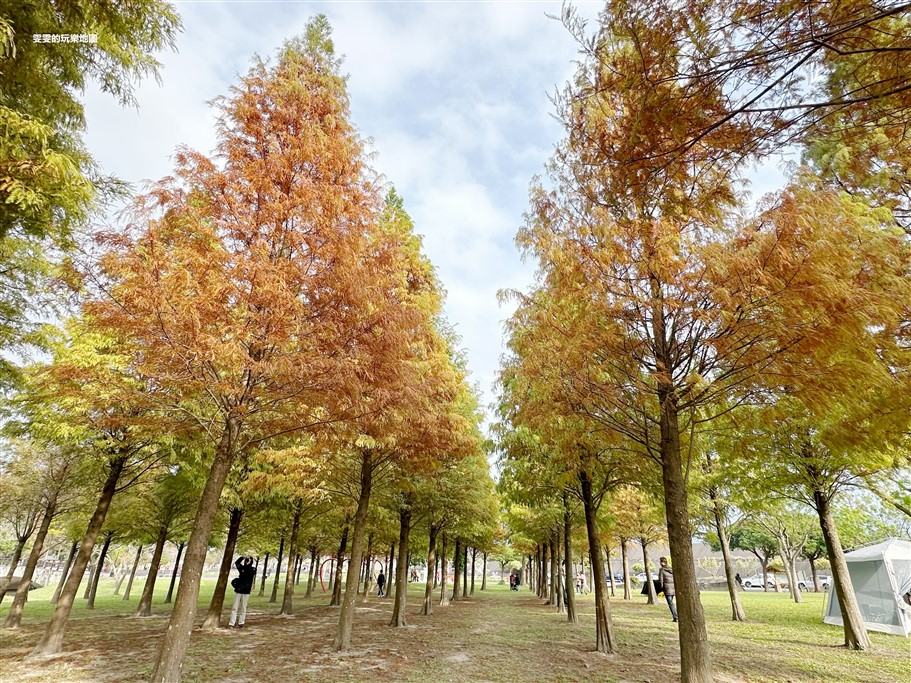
(497, 635)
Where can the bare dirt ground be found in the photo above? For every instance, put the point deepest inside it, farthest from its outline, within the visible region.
(494, 636)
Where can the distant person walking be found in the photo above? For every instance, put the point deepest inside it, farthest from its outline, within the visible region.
(666, 579)
(380, 585)
(242, 586)
(738, 580)
(580, 582)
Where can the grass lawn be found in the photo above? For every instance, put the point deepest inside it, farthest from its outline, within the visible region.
(497, 635)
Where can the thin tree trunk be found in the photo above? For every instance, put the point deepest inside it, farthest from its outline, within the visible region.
(300, 568)
(444, 599)
(144, 609)
(650, 585)
(99, 568)
(170, 594)
(14, 618)
(126, 593)
(436, 571)
(427, 606)
(401, 584)
(554, 594)
(278, 569)
(484, 573)
(737, 613)
(474, 557)
(390, 575)
(464, 570)
(568, 553)
(262, 581)
(311, 573)
(17, 555)
(51, 641)
(66, 572)
(91, 573)
(610, 572)
(346, 618)
(604, 634)
(288, 596)
(815, 576)
(624, 555)
(337, 572)
(856, 637)
(177, 636)
(457, 570)
(695, 653)
(213, 616)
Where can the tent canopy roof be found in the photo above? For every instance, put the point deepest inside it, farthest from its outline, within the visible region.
(892, 548)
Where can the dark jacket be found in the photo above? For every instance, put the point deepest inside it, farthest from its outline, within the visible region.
(666, 577)
(243, 584)
(381, 580)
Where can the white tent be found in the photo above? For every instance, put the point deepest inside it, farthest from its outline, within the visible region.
(881, 576)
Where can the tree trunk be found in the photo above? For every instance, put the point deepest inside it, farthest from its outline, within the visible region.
(51, 641)
(444, 599)
(610, 573)
(815, 575)
(346, 618)
(427, 607)
(99, 568)
(765, 574)
(650, 585)
(177, 637)
(288, 596)
(144, 609)
(262, 581)
(737, 613)
(554, 594)
(457, 570)
(474, 558)
(300, 567)
(436, 570)
(856, 637)
(337, 573)
(695, 654)
(66, 571)
(604, 635)
(170, 594)
(14, 618)
(17, 555)
(627, 585)
(401, 583)
(213, 617)
(390, 575)
(464, 570)
(311, 572)
(278, 569)
(484, 572)
(568, 553)
(126, 593)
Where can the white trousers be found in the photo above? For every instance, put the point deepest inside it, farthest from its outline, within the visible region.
(240, 600)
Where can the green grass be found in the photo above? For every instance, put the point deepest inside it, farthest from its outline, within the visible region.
(497, 635)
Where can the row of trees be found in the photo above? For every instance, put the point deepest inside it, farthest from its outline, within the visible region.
(679, 340)
(259, 340)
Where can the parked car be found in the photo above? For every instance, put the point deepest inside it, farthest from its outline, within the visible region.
(755, 581)
(640, 577)
(807, 584)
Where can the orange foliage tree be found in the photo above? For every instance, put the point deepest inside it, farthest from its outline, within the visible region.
(255, 286)
(666, 307)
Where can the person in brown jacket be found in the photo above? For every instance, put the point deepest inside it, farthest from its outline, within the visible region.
(666, 579)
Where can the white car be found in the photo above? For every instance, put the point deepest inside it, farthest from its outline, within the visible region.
(824, 582)
(640, 577)
(755, 581)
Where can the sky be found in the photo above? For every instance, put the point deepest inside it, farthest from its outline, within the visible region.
(454, 97)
